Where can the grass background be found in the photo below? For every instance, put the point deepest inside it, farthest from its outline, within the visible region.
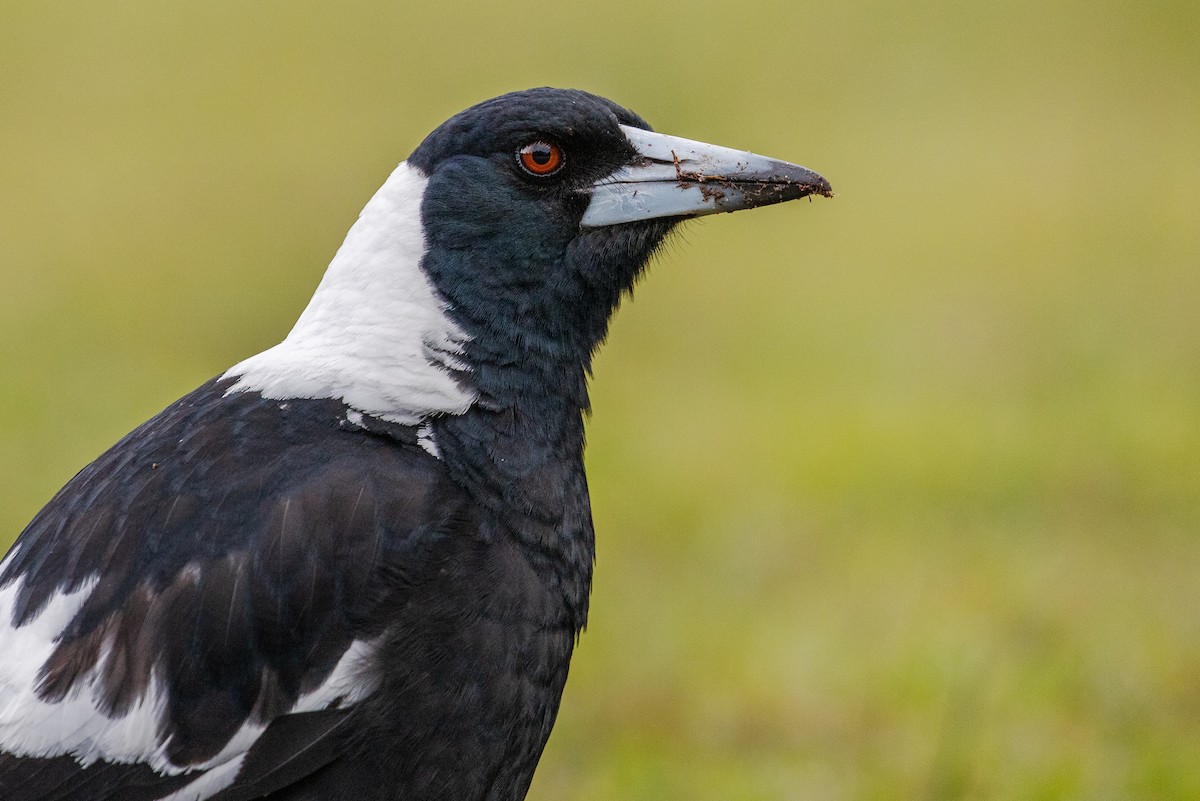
(897, 494)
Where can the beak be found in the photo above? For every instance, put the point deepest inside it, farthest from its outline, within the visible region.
(676, 177)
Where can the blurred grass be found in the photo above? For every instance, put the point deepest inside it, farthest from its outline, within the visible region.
(896, 493)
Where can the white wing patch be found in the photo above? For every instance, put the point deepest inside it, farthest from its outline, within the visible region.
(350, 682)
(376, 334)
(210, 783)
(31, 727)
(76, 727)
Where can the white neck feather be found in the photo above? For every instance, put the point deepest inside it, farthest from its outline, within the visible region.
(376, 334)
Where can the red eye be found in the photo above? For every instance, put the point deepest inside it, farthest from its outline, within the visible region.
(541, 158)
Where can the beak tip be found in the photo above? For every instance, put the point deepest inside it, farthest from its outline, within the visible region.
(823, 189)
(788, 182)
(808, 182)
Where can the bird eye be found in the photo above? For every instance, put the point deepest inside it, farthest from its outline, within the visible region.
(540, 158)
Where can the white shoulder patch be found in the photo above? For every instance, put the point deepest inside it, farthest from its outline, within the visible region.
(76, 727)
(31, 727)
(376, 334)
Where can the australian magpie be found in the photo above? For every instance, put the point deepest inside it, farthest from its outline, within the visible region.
(354, 566)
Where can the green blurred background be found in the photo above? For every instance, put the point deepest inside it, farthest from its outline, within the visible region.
(897, 494)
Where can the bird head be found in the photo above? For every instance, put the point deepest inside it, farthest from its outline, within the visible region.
(544, 206)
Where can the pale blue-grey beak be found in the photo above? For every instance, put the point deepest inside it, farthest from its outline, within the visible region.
(681, 178)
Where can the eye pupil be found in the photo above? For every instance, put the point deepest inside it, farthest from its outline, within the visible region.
(541, 158)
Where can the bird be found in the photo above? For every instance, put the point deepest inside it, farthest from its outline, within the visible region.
(355, 565)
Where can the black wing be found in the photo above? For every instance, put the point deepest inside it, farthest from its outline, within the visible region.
(221, 561)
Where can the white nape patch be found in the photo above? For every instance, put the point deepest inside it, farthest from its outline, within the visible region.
(376, 334)
(425, 440)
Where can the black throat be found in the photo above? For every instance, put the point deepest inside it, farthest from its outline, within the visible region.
(535, 297)
(519, 452)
